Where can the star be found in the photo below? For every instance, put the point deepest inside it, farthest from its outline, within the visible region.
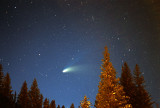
(129, 49)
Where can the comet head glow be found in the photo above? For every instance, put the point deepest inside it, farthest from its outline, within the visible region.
(65, 70)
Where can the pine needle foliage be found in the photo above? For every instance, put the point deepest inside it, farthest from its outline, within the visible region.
(110, 93)
(126, 81)
(46, 103)
(85, 103)
(7, 86)
(52, 104)
(35, 97)
(143, 99)
(23, 97)
(72, 106)
(1, 80)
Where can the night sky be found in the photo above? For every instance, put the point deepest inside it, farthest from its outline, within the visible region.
(41, 38)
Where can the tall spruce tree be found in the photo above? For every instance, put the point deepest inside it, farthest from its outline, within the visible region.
(23, 97)
(1, 80)
(72, 106)
(7, 93)
(2, 100)
(126, 81)
(7, 86)
(85, 103)
(110, 93)
(35, 96)
(143, 99)
(46, 103)
(52, 104)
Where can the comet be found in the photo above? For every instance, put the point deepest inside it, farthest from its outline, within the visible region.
(66, 70)
(72, 69)
(69, 69)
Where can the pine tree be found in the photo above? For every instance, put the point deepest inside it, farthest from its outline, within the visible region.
(35, 96)
(63, 106)
(1, 80)
(7, 86)
(143, 99)
(6, 98)
(126, 81)
(23, 97)
(72, 106)
(46, 103)
(85, 103)
(58, 106)
(1, 87)
(52, 104)
(110, 93)
(41, 101)
(7, 93)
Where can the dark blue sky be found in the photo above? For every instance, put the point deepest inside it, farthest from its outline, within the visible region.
(40, 38)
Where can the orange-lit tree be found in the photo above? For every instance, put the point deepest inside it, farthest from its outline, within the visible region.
(52, 104)
(23, 97)
(72, 106)
(46, 103)
(85, 103)
(35, 97)
(110, 93)
(7, 87)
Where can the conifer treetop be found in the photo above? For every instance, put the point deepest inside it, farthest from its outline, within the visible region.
(85, 103)
(110, 93)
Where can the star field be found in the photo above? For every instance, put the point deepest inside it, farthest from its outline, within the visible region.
(40, 38)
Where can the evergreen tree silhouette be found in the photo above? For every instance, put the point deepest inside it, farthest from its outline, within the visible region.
(72, 106)
(85, 103)
(1, 80)
(23, 97)
(41, 101)
(46, 103)
(126, 81)
(110, 93)
(63, 106)
(58, 106)
(3, 99)
(52, 104)
(6, 96)
(1, 86)
(7, 86)
(35, 97)
(143, 99)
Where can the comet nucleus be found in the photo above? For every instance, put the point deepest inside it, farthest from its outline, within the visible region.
(65, 70)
